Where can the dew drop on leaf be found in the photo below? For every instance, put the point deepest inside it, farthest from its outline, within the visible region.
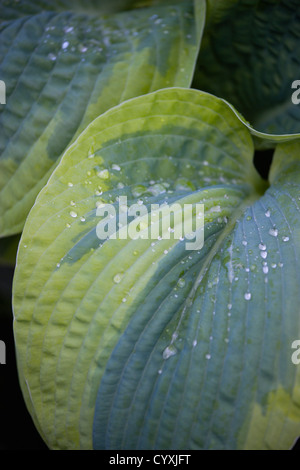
(169, 351)
(181, 282)
(118, 278)
(138, 190)
(103, 174)
(273, 232)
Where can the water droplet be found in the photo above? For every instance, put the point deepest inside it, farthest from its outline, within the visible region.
(116, 167)
(65, 45)
(51, 56)
(157, 189)
(70, 185)
(215, 209)
(208, 356)
(82, 48)
(244, 242)
(285, 239)
(124, 300)
(263, 254)
(247, 296)
(267, 214)
(82, 219)
(169, 351)
(194, 343)
(72, 203)
(261, 246)
(138, 190)
(73, 214)
(117, 278)
(265, 269)
(103, 174)
(58, 265)
(91, 152)
(181, 282)
(273, 232)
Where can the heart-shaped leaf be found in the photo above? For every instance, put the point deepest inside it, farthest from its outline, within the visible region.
(63, 68)
(249, 56)
(143, 344)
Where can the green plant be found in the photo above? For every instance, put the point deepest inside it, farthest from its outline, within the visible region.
(143, 344)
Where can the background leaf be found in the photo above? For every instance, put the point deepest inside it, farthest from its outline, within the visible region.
(249, 57)
(142, 344)
(12, 10)
(62, 69)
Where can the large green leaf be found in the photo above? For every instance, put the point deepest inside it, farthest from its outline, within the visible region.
(141, 343)
(62, 69)
(249, 56)
(14, 9)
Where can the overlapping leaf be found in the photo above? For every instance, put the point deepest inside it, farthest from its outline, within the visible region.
(63, 68)
(249, 56)
(137, 344)
(11, 9)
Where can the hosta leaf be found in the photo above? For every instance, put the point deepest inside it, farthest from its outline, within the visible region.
(249, 57)
(62, 69)
(15, 9)
(137, 344)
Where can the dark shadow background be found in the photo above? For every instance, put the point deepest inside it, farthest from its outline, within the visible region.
(17, 431)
